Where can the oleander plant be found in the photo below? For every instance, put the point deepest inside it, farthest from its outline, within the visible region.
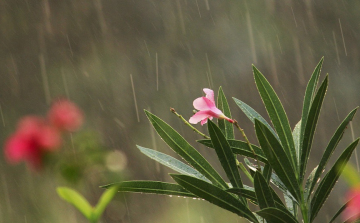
(278, 160)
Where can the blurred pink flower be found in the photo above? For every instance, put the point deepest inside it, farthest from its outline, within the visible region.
(32, 138)
(65, 115)
(352, 211)
(207, 109)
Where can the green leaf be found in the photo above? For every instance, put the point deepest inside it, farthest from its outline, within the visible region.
(105, 199)
(309, 182)
(151, 187)
(340, 211)
(246, 193)
(277, 158)
(278, 117)
(240, 148)
(77, 200)
(330, 179)
(172, 163)
(276, 215)
(267, 172)
(252, 115)
(351, 175)
(291, 205)
(334, 141)
(307, 138)
(296, 137)
(309, 95)
(263, 192)
(176, 142)
(214, 195)
(225, 155)
(225, 126)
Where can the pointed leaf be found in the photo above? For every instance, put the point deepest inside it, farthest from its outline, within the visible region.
(340, 211)
(246, 193)
(225, 126)
(296, 137)
(185, 150)
(214, 195)
(252, 115)
(307, 138)
(240, 148)
(334, 141)
(291, 205)
(330, 179)
(172, 163)
(267, 172)
(277, 158)
(151, 187)
(309, 182)
(276, 215)
(105, 199)
(77, 200)
(278, 117)
(309, 95)
(262, 191)
(225, 155)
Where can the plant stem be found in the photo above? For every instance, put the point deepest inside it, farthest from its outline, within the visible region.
(188, 124)
(249, 144)
(243, 168)
(303, 207)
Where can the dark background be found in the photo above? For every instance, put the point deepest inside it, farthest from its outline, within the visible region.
(89, 51)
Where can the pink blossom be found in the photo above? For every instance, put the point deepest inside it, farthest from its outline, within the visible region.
(207, 109)
(31, 140)
(65, 115)
(352, 211)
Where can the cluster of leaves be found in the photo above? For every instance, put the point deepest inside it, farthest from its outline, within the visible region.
(283, 153)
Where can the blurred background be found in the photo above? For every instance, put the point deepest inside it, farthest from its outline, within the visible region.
(116, 58)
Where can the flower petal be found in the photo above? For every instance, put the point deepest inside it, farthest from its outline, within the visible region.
(202, 104)
(209, 94)
(199, 116)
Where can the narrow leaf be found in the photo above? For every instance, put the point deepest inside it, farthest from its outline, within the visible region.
(340, 211)
(252, 115)
(151, 187)
(309, 182)
(214, 195)
(309, 95)
(296, 137)
(276, 215)
(225, 126)
(291, 205)
(225, 155)
(77, 200)
(334, 141)
(105, 199)
(330, 179)
(278, 117)
(185, 150)
(172, 163)
(262, 191)
(277, 158)
(267, 172)
(240, 148)
(246, 193)
(307, 138)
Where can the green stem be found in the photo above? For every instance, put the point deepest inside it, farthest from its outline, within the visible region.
(249, 144)
(243, 168)
(188, 124)
(303, 207)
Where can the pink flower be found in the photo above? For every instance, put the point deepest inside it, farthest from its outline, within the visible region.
(32, 139)
(207, 109)
(352, 211)
(65, 115)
